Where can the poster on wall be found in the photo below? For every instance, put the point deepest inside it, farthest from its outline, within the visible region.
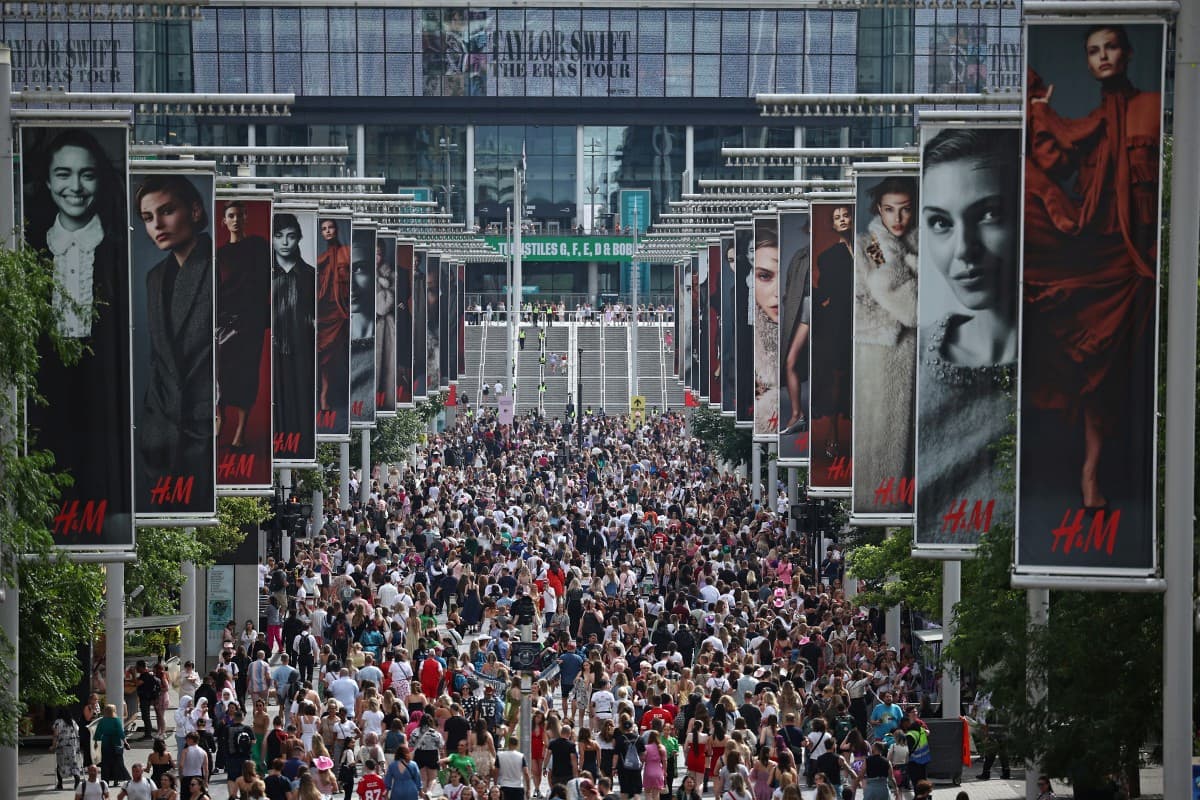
(728, 327)
(244, 425)
(765, 289)
(1086, 445)
(687, 268)
(693, 353)
(385, 325)
(966, 332)
(293, 335)
(446, 345)
(713, 335)
(703, 376)
(362, 325)
(462, 318)
(794, 319)
(220, 604)
(433, 323)
(831, 349)
(420, 315)
(673, 344)
(404, 323)
(73, 184)
(333, 328)
(174, 365)
(885, 347)
(744, 313)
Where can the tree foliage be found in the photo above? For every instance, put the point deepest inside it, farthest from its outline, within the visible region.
(60, 603)
(719, 434)
(891, 576)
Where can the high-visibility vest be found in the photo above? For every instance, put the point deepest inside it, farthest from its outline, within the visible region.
(920, 753)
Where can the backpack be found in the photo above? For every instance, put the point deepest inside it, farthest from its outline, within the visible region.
(278, 581)
(632, 760)
(242, 740)
(305, 648)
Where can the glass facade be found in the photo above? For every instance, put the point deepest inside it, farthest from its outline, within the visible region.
(432, 156)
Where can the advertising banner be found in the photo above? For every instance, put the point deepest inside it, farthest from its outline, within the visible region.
(743, 303)
(434, 282)
(1086, 479)
(174, 366)
(385, 325)
(885, 347)
(713, 336)
(694, 326)
(831, 348)
(966, 332)
(462, 318)
(701, 326)
(446, 344)
(333, 328)
(728, 348)
(453, 317)
(687, 268)
(362, 325)
(293, 335)
(404, 324)
(764, 261)
(635, 210)
(244, 440)
(420, 315)
(676, 323)
(73, 184)
(794, 319)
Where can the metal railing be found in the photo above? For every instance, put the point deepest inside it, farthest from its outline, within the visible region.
(593, 317)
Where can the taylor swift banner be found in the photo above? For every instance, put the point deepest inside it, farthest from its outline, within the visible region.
(885, 347)
(73, 182)
(174, 365)
(966, 332)
(728, 347)
(744, 311)
(1086, 427)
(713, 317)
(794, 320)
(385, 325)
(362, 325)
(294, 335)
(764, 260)
(420, 315)
(244, 425)
(333, 328)
(831, 348)
(404, 324)
(700, 324)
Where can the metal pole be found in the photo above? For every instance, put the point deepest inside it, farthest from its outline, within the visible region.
(10, 623)
(187, 609)
(1038, 601)
(344, 476)
(518, 293)
(793, 497)
(1179, 568)
(364, 482)
(579, 400)
(755, 472)
(526, 720)
(285, 538)
(892, 624)
(510, 315)
(772, 476)
(114, 634)
(951, 594)
(635, 270)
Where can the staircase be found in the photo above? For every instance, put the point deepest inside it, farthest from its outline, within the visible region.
(649, 367)
(616, 368)
(593, 368)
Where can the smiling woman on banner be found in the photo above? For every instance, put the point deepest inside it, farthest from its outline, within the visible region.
(765, 276)
(970, 235)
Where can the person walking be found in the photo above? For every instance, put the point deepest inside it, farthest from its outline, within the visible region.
(110, 733)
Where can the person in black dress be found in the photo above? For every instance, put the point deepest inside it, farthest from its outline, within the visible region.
(294, 282)
(833, 297)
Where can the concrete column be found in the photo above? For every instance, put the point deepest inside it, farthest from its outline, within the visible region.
(1038, 601)
(793, 495)
(187, 609)
(360, 154)
(756, 472)
(772, 475)
(892, 624)
(799, 168)
(114, 633)
(581, 178)
(10, 623)
(951, 594)
(593, 281)
(689, 157)
(469, 191)
(344, 476)
(364, 481)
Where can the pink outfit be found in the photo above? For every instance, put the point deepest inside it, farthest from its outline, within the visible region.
(654, 776)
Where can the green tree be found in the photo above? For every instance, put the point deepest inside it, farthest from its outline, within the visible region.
(893, 577)
(29, 489)
(719, 434)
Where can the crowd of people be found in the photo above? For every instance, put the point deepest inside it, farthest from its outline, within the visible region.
(542, 313)
(686, 643)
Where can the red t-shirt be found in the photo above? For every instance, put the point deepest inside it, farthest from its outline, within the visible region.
(372, 787)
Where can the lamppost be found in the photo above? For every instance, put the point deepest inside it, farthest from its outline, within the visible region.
(447, 147)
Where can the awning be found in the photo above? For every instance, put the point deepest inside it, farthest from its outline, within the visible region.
(154, 623)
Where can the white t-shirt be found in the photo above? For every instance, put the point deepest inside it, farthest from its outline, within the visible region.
(511, 769)
(139, 790)
(91, 791)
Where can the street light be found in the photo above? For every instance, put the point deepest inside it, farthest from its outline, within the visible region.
(447, 147)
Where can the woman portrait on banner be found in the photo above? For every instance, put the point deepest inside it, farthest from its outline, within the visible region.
(765, 276)
(1091, 259)
(73, 199)
(333, 315)
(293, 293)
(362, 323)
(832, 352)
(385, 323)
(243, 317)
(175, 431)
(797, 319)
(970, 235)
(885, 340)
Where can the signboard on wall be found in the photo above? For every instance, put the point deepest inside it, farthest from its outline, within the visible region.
(568, 248)
(80, 57)
(220, 604)
(635, 210)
